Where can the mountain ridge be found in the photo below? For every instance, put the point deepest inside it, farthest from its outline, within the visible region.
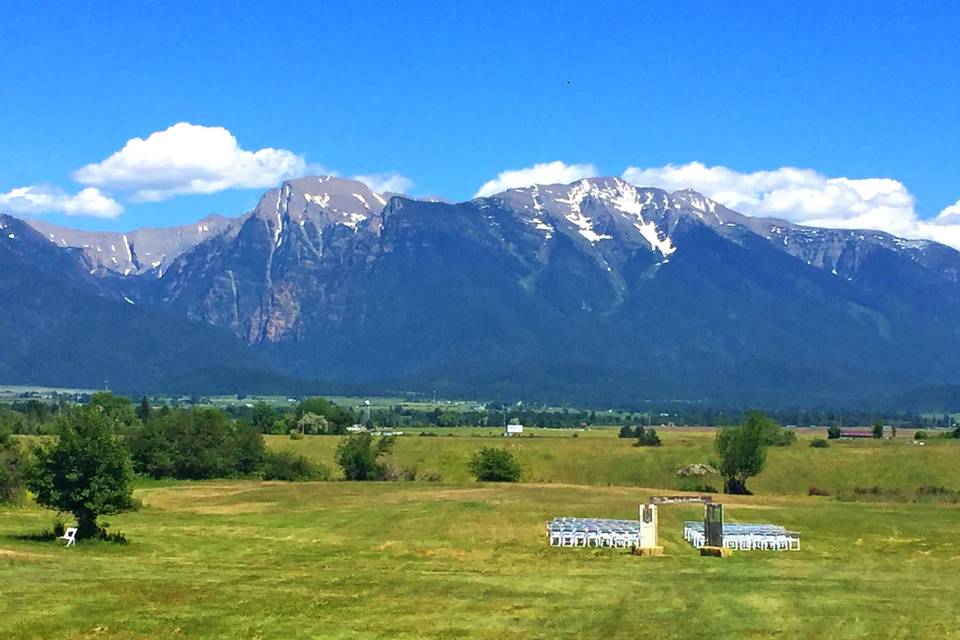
(658, 294)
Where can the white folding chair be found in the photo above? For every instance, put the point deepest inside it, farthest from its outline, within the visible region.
(70, 536)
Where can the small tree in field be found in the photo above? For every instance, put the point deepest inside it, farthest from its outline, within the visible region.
(494, 465)
(86, 472)
(742, 451)
(878, 429)
(834, 432)
(359, 456)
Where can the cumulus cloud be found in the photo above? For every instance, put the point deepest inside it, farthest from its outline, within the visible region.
(386, 182)
(35, 200)
(544, 173)
(808, 197)
(187, 158)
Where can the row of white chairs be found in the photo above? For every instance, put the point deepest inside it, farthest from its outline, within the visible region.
(767, 539)
(593, 538)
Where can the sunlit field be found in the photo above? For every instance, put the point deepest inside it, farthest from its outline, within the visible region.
(248, 559)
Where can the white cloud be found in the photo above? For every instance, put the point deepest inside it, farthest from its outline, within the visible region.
(36, 200)
(807, 197)
(544, 173)
(187, 158)
(386, 182)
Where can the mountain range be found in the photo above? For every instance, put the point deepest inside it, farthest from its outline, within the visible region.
(593, 292)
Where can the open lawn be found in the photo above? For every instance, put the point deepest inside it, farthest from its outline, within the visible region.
(249, 559)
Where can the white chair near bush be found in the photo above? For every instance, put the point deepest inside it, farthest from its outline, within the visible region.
(69, 536)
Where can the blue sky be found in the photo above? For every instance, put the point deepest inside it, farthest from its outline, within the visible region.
(450, 94)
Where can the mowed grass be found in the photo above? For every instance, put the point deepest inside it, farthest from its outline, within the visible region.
(423, 560)
(248, 559)
(598, 457)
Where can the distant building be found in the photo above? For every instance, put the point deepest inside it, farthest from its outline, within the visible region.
(855, 433)
(513, 430)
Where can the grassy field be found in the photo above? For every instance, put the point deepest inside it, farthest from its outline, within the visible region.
(248, 559)
(598, 457)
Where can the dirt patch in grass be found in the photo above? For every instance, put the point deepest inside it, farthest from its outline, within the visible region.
(11, 554)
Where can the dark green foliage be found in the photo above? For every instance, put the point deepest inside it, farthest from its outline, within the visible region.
(263, 417)
(359, 455)
(86, 472)
(647, 438)
(819, 443)
(834, 432)
(490, 464)
(920, 435)
(117, 409)
(196, 444)
(742, 451)
(12, 467)
(338, 418)
(626, 431)
(144, 411)
(292, 467)
(878, 429)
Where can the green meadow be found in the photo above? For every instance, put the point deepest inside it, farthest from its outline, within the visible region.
(249, 559)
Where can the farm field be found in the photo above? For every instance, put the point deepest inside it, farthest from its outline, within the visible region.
(250, 559)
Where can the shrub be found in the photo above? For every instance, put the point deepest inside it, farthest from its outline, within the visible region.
(833, 433)
(647, 438)
(292, 467)
(878, 429)
(359, 456)
(698, 487)
(431, 476)
(626, 431)
(817, 491)
(295, 434)
(920, 435)
(12, 468)
(494, 465)
(819, 443)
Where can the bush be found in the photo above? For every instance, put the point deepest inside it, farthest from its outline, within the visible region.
(12, 468)
(833, 433)
(359, 456)
(292, 467)
(295, 434)
(698, 487)
(647, 438)
(494, 465)
(626, 431)
(819, 443)
(920, 435)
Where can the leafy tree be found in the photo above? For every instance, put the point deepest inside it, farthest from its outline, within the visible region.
(119, 410)
(12, 466)
(248, 448)
(338, 417)
(742, 452)
(263, 417)
(647, 438)
(878, 429)
(153, 452)
(490, 464)
(86, 472)
(144, 411)
(359, 456)
(833, 433)
(312, 423)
